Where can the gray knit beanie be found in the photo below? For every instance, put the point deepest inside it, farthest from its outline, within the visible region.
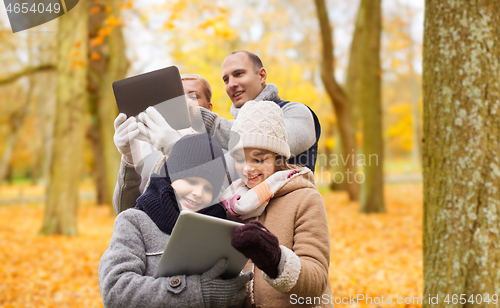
(197, 155)
(260, 125)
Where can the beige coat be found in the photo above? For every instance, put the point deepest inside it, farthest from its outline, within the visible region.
(297, 216)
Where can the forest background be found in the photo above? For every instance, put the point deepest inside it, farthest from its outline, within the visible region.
(196, 37)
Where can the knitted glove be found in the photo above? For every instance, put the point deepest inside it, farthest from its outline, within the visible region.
(258, 244)
(217, 292)
(161, 135)
(125, 138)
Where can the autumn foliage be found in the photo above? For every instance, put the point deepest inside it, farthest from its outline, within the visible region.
(373, 255)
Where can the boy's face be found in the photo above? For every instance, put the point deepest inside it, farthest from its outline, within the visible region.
(254, 165)
(194, 193)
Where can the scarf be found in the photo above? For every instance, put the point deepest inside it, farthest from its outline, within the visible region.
(161, 203)
(270, 93)
(247, 203)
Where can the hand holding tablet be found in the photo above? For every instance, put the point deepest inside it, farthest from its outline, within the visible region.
(198, 242)
(159, 133)
(161, 89)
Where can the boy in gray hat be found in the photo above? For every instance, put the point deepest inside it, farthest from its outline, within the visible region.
(191, 179)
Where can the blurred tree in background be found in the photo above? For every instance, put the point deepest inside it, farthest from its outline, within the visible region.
(67, 161)
(196, 36)
(341, 103)
(370, 104)
(107, 63)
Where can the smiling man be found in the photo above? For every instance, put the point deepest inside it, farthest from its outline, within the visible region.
(245, 78)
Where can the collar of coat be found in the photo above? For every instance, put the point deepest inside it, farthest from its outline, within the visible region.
(303, 179)
(161, 203)
(270, 93)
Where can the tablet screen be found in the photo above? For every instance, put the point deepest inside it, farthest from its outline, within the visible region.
(161, 89)
(197, 243)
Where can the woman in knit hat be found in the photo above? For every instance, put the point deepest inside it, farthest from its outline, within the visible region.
(190, 179)
(286, 233)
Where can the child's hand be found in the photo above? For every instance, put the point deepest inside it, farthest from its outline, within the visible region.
(260, 245)
(217, 292)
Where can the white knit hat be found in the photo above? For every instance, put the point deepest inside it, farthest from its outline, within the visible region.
(260, 125)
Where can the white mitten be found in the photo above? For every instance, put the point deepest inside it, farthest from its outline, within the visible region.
(192, 104)
(125, 138)
(160, 134)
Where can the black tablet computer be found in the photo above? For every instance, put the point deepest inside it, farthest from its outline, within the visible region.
(161, 89)
(197, 242)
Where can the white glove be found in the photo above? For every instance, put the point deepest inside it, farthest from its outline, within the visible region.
(192, 105)
(125, 138)
(159, 133)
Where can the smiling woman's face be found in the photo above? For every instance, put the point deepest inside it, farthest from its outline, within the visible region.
(254, 165)
(194, 193)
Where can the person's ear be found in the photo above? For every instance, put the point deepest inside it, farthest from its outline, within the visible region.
(262, 75)
(210, 106)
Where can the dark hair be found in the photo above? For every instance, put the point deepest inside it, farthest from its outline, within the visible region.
(256, 62)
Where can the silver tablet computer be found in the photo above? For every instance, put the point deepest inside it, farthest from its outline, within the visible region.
(197, 242)
(161, 89)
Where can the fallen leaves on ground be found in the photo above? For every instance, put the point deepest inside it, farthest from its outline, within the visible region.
(371, 255)
(51, 271)
(377, 255)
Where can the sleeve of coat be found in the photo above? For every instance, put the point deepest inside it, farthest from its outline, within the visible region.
(131, 183)
(127, 188)
(121, 273)
(207, 121)
(311, 245)
(299, 127)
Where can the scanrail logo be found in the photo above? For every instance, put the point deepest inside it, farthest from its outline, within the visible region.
(26, 14)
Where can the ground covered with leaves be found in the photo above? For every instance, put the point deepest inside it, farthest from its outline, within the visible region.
(371, 255)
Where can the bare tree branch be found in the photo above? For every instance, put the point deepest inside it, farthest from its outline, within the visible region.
(26, 72)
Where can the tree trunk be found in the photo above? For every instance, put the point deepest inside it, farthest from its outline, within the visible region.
(353, 79)
(110, 65)
(16, 119)
(461, 168)
(49, 114)
(94, 135)
(65, 172)
(372, 190)
(416, 151)
(339, 100)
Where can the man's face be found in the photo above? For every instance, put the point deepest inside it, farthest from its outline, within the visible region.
(243, 84)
